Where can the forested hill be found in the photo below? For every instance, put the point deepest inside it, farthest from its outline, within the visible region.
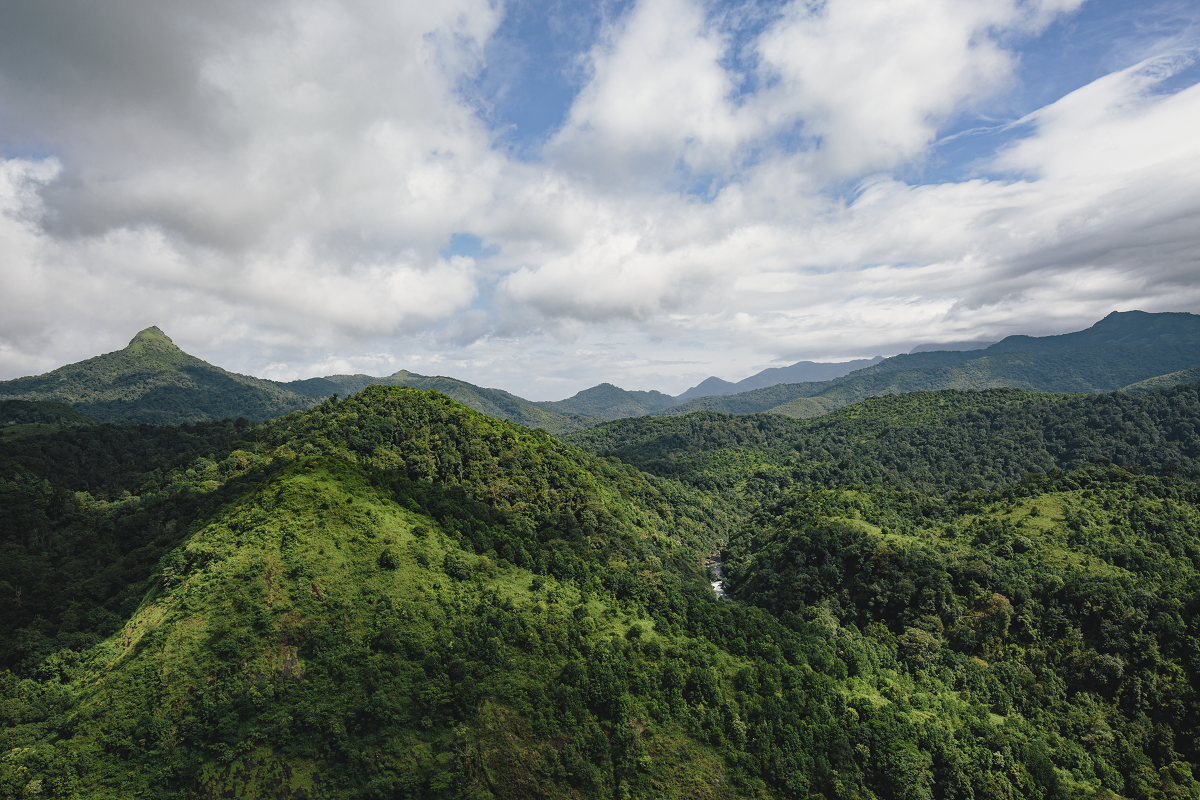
(1189, 375)
(1122, 349)
(937, 442)
(392, 596)
(493, 402)
(610, 402)
(153, 381)
(26, 412)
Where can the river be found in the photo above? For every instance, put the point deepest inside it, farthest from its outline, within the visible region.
(717, 568)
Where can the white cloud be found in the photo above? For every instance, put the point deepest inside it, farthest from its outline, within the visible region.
(273, 185)
(871, 81)
(659, 99)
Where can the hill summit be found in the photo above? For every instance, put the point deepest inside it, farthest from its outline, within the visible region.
(153, 340)
(152, 381)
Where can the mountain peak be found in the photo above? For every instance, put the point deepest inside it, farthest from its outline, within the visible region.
(152, 338)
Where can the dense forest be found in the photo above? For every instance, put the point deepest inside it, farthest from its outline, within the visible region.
(942, 594)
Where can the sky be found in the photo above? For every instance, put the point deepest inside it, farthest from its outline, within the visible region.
(543, 195)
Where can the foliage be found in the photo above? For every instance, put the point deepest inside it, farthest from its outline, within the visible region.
(611, 402)
(936, 442)
(493, 402)
(394, 596)
(1065, 606)
(153, 381)
(24, 412)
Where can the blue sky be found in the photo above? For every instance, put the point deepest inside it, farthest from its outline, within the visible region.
(536, 68)
(543, 196)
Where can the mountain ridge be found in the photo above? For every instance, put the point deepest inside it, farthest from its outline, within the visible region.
(1119, 350)
(152, 381)
(800, 372)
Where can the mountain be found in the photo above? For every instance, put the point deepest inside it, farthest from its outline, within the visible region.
(1121, 349)
(800, 372)
(610, 402)
(493, 402)
(973, 345)
(153, 381)
(706, 388)
(391, 595)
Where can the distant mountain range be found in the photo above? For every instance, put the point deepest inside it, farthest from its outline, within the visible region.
(153, 381)
(1123, 350)
(925, 348)
(800, 372)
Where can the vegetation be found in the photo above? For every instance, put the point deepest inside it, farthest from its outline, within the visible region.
(1189, 375)
(1039, 642)
(935, 442)
(153, 381)
(941, 595)
(1122, 349)
(493, 402)
(23, 412)
(611, 402)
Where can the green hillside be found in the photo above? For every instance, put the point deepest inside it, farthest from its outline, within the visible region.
(493, 402)
(1036, 643)
(937, 442)
(610, 402)
(25, 412)
(1189, 375)
(1122, 349)
(153, 381)
(21, 418)
(392, 595)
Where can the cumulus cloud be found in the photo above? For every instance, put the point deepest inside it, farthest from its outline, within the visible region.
(658, 100)
(299, 162)
(276, 185)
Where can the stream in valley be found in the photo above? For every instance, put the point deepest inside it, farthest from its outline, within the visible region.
(718, 583)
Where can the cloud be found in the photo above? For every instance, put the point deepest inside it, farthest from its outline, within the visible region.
(658, 100)
(296, 165)
(276, 184)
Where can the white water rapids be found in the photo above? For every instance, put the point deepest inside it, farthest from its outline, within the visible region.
(718, 584)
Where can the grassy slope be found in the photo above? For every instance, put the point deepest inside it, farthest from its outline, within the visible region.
(318, 588)
(277, 617)
(1189, 375)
